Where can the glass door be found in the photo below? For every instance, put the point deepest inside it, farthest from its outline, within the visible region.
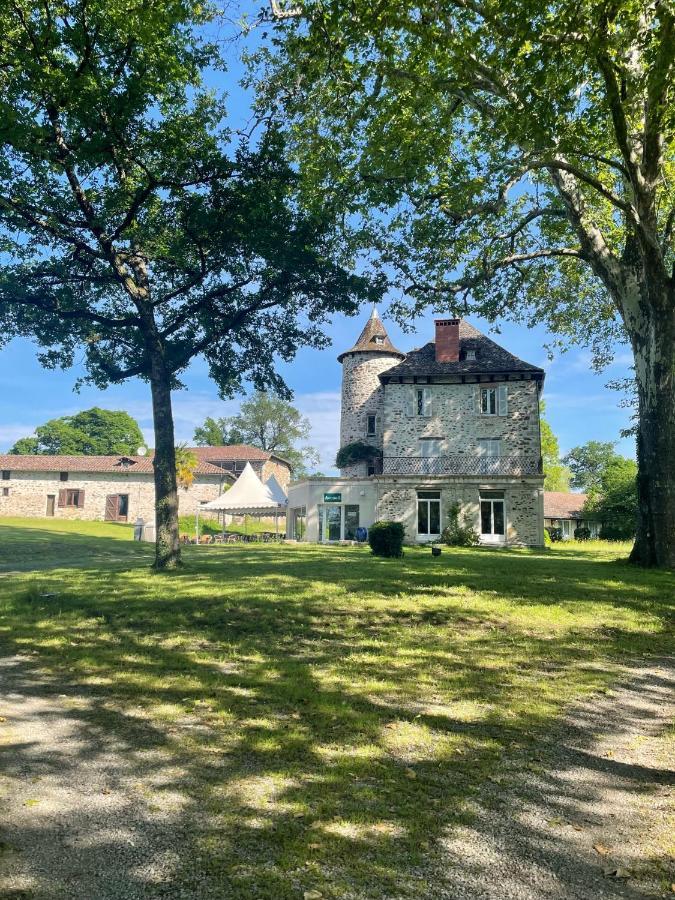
(332, 524)
(492, 517)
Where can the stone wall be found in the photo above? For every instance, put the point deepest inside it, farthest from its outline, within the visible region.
(523, 505)
(455, 419)
(28, 492)
(280, 471)
(396, 499)
(362, 395)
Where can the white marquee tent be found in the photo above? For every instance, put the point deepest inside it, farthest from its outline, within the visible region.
(249, 496)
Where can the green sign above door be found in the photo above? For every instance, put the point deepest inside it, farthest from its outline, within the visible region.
(332, 498)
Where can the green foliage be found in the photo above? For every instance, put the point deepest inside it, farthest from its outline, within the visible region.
(556, 475)
(137, 232)
(186, 463)
(547, 538)
(582, 533)
(588, 463)
(269, 422)
(356, 452)
(456, 534)
(386, 539)
(92, 432)
(217, 433)
(615, 503)
(467, 142)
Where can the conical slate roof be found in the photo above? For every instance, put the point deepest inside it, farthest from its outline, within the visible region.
(373, 339)
(247, 495)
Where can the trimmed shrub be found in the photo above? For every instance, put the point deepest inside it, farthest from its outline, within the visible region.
(582, 533)
(457, 535)
(555, 534)
(386, 538)
(547, 538)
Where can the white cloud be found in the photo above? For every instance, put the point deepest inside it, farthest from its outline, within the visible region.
(9, 434)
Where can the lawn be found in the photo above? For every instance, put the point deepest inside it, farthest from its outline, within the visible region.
(329, 715)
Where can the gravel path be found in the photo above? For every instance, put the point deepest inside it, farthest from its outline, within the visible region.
(589, 815)
(586, 816)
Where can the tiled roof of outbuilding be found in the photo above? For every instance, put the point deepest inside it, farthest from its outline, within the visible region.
(563, 505)
(108, 464)
(490, 358)
(238, 452)
(368, 343)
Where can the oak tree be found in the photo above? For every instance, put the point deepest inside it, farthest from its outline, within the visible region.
(135, 227)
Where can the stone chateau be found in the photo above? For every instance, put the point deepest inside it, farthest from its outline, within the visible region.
(455, 422)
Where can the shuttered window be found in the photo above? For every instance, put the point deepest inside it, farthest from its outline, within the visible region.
(71, 498)
(493, 401)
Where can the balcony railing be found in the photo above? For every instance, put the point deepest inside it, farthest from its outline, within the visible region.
(462, 464)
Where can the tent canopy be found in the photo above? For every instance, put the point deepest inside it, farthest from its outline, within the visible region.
(248, 496)
(276, 490)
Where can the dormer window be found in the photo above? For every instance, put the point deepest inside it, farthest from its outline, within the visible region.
(378, 339)
(471, 355)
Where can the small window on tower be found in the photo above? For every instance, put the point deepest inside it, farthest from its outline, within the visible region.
(378, 339)
(471, 355)
(372, 425)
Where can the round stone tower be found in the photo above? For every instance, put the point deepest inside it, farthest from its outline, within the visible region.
(362, 391)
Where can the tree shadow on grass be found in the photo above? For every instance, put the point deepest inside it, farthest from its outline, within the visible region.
(269, 723)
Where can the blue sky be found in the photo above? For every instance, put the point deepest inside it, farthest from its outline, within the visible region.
(578, 405)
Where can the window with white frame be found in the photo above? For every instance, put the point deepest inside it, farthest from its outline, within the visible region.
(371, 424)
(428, 513)
(492, 516)
(494, 401)
(490, 447)
(430, 451)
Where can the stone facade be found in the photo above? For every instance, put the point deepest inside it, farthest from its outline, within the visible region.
(362, 396)
(456, 421)
(392, 499)
(27, 494)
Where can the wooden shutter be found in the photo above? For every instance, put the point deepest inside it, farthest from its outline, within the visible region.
(80, 499)
(426, 405)
(62, 498)
(410, 398)
(503, 400)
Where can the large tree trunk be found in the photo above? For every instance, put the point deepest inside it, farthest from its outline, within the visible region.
(167, 544)
(654, 348)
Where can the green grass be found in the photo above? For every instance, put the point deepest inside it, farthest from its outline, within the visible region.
(328, 714)
(242, 525)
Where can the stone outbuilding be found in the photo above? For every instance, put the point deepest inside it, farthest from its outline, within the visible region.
(114, 488)
(565, 510)
(120, 488)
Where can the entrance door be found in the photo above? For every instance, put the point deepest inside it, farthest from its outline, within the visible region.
(492, 517)
(333, 525)
(112, 502)
(51, 502)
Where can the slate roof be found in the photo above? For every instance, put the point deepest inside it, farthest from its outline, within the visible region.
(490, 358)
(106, 464)
(561, 505)
(367, 343)
(235, 452)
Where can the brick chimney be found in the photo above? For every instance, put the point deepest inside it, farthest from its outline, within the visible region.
(447, 340)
